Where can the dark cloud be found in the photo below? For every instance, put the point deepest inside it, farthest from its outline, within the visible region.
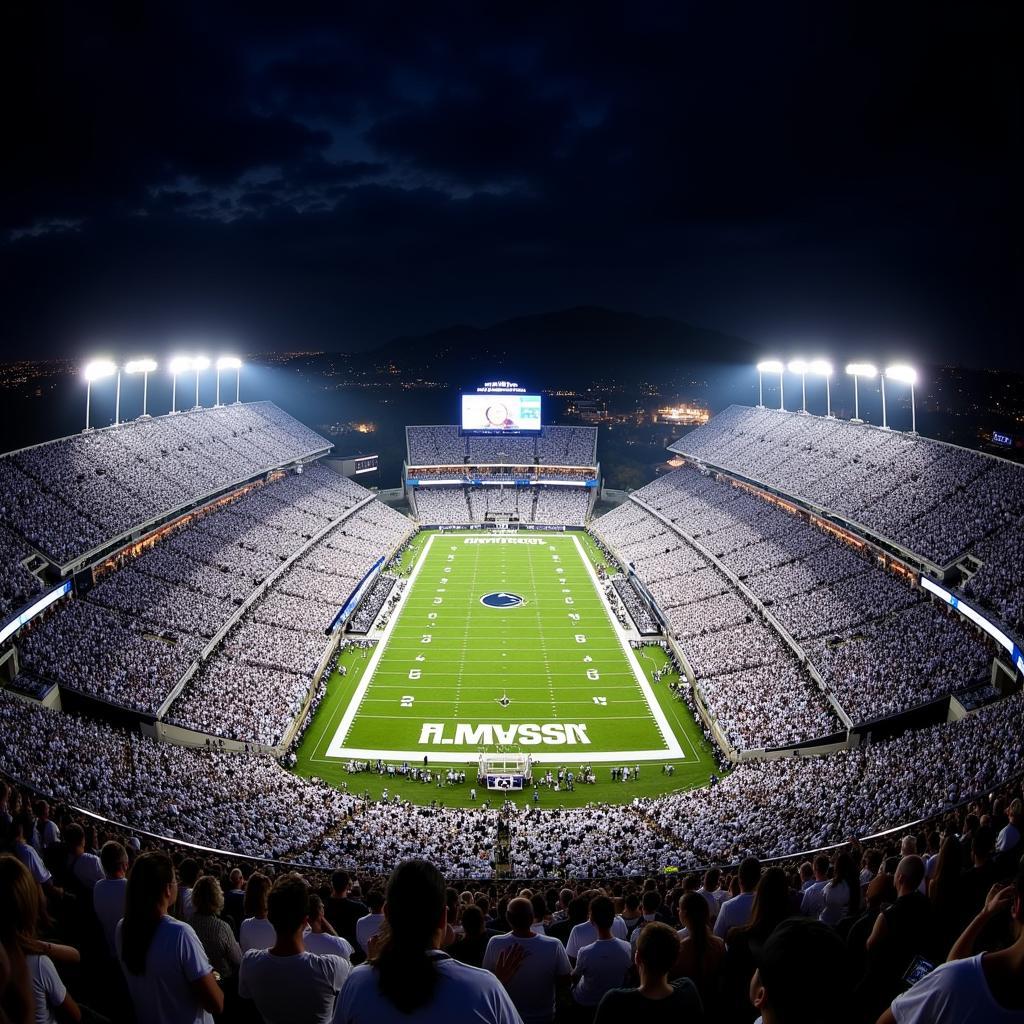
(296, 178)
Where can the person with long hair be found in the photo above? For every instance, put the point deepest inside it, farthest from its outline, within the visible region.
(169, 977)
(409, 978)
(45, 999)
(771, 906)
(701, 952)
(841, 895)
(256, 931)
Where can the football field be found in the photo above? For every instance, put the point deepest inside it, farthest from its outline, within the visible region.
(504, 643)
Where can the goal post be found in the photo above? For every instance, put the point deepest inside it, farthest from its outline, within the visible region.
(505, 771)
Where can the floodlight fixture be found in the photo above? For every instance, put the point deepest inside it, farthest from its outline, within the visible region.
(95, 370)
(229, 363)
(800, 366)
(179, 364)
(856, 371)
(770, 366)
(199, 363)
(905, 375)
(823, 368)
(145, 367)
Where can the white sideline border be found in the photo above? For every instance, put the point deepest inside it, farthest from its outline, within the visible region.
(338, 750)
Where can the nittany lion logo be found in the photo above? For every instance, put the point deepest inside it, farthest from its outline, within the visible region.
(502, 600)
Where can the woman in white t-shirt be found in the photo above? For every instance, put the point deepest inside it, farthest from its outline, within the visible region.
(19, 917)
(410, 978)
(841, 895)
(256, 932)
(169, 978)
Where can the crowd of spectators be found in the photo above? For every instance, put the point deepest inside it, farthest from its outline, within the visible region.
(635, 605)
(274, 650)
(249, 804)
(544, 506)
(750, 680)
(445, 445)
(18, 585)
(879, 643)
(939, 501)
(923, 926)
(158, 610)
(69, 496)
(385, 590)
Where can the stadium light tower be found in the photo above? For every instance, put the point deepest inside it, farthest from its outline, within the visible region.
(856, 371)
(801, 367)
(229, 363)
(905, 375)
(770, 366)
(199, 364)
(96, 370)
(179, 364)
(823, 368)
(145, 367)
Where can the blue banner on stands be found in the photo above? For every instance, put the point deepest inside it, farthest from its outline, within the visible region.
(356, 596)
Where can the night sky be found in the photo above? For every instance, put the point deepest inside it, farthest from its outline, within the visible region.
(284, 179)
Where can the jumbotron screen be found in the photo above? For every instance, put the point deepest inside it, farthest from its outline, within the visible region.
(501, 414)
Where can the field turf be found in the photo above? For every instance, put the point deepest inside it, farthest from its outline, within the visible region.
(504, 643)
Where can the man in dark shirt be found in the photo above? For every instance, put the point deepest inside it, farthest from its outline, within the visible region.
(469, 949)
(578, 912)
(901, 932)
(343, 911)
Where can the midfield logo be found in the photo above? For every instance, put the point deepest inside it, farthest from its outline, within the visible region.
(530, 734)
(502, 600)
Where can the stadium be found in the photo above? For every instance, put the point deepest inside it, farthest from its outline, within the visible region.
(806, 635)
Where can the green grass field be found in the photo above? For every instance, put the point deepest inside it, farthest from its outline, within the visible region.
(505, 644)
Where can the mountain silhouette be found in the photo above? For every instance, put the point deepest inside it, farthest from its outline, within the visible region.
(573, 345)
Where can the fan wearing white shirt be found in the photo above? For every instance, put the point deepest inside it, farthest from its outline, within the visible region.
(289, 984)
(320, 936)
(85, 868)
(368, 926)
(586, 933)
(736, 912)
(256, 932)
(169, 977)
(813, 901)
(410, 978)
(108, 894)
(967, 989)
(543, 967)
(603, 964)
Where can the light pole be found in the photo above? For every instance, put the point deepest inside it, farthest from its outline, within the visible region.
(771, 366)
(96, 370)
(228, 363)
(179, 364)
(905, 375)
(856, 371)
(823, 368)
(800, 366)
(145, 367)
(199, 364)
